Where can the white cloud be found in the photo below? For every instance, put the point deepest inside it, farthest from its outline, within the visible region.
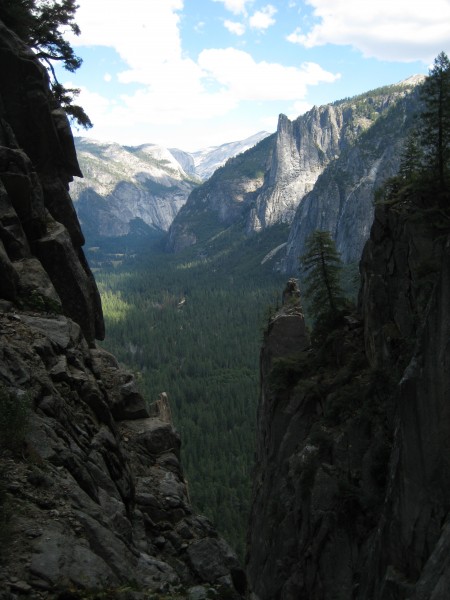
(174, 84)
(262, 19)
(107, 77)
(237, 7)
(397, 30)
(247, 79)
(142, 32)
(234, 27)
(299, 108)
(178, 94)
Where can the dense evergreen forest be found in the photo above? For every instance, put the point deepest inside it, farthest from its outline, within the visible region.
(190, 325)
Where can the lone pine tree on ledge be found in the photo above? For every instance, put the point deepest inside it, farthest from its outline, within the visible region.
(322, 266)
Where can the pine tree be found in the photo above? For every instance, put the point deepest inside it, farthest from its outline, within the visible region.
(411, 158)
(40, 24)
(322, 266)
(435, 121)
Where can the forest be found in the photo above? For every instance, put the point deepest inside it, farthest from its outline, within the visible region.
(191, 325)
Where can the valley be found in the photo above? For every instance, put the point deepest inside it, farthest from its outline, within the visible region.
(190, 325)
(185, 310)
(230, 380)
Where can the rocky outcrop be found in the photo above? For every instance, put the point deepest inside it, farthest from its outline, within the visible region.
(92, 494)
(306, 524)
(42, 261)
(302, 150)
(342, 199)
(351, 484)
(96, 499)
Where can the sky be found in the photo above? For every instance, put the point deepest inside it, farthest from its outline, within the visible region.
(190, 74)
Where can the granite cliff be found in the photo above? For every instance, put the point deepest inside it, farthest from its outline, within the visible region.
(342, 198)
(92, 495)
(223, 200)
(124, 183)
(318, 171)
(350, 496)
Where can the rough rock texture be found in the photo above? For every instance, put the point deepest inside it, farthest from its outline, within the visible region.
(342, 199)
(405, 295)
(38, 224)
(92, 495)
(351, 483)
(96, 498)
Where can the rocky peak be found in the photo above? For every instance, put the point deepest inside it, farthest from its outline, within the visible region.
(318, 171)
(306, 146)
(342, 199)
(302, 149)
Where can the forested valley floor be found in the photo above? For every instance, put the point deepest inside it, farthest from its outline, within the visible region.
(191, 325)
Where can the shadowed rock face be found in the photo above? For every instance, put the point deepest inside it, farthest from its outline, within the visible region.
(351, 491)
(37, 218)
(95, 493)
(92, 494)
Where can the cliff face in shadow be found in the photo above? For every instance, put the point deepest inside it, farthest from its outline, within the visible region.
(92, 494)
(41, 239)
(351, 497)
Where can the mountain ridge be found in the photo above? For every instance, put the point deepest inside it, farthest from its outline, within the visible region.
(296, 159)
(148, 182)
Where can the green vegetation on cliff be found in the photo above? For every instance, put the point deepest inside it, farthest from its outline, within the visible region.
(42, 25)
(322, 267)
(423, 179)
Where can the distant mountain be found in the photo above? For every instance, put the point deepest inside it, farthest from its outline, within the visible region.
(318, 171)
(209, 159)
(224, 199)
(148, 183)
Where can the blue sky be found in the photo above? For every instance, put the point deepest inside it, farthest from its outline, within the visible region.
(196, 73)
